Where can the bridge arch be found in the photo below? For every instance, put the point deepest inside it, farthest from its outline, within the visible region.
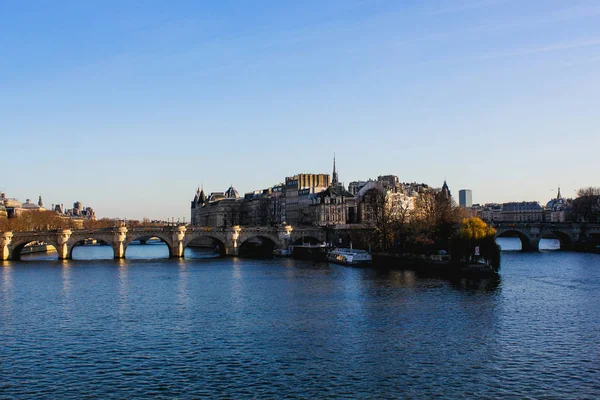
(593, 243)
(566, 243)
(216, 242)
(18, 246)
(259, 245)
(77, 242)
(528, 243)
(307, 240)
(319, 235)
(141, 236)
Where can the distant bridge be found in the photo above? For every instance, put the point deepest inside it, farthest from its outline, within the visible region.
(229, 240)
(531, 233)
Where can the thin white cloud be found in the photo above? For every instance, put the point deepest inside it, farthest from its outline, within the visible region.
(514, 23)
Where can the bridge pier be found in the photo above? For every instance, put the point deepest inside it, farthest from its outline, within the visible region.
(62, 241)
(119, 236)
(530, 245)
(232, 245)
(284, 234)
(5, 240)
(177, 248)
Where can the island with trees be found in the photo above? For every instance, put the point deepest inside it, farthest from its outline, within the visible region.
(435, 235)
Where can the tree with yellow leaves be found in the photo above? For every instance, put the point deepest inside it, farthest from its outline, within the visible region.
(475, 229)
(475, 236)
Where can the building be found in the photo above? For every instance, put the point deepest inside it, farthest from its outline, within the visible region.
(14, 208)
(446, 190)
(525, 211)
(557, 209)
(77, 212)
(489, 212)
(268, 207)
(391, 181)
(398, 200)
(335, 182)
(333, 206)
(465, 198)
(303, 199)
(219, 209)
(306, 199)
(291, 202)
(30, 206)
(295, 184)
(355, 186)
(3, 212)
(263, 207)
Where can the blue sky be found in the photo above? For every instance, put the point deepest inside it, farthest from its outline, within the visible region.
(127, 106)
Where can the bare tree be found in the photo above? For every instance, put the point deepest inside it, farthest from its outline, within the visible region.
(586, 207)
(436, 218)
(387, 213)
(275, 210)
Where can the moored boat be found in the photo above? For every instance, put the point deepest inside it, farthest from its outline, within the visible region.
(477, 269)
(315, 252)
(439, 265)
(350, 256)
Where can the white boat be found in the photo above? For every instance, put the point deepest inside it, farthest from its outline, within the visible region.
(349, 256)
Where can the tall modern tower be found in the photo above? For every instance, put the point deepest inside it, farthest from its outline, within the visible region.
(465, 198)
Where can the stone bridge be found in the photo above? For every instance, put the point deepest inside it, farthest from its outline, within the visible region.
(229, 240)
(530, 234)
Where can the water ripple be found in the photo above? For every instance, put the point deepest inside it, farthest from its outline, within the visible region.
(283, 329)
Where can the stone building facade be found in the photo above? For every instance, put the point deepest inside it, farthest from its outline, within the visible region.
(525, 211)
(333, 206)
(295, 188)
(557, 209)
(219, 209)
(398, 199)
(263, 207)
(303, 199)
(13, 208)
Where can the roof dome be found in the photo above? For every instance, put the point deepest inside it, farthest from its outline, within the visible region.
(29, 205)
(215, 197)
(231, 193)
(555, 203)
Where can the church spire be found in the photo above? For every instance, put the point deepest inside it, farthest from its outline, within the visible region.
(334, 177)
(558, 196)
(446, 189)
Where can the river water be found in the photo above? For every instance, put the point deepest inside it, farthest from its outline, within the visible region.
(147, 327)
